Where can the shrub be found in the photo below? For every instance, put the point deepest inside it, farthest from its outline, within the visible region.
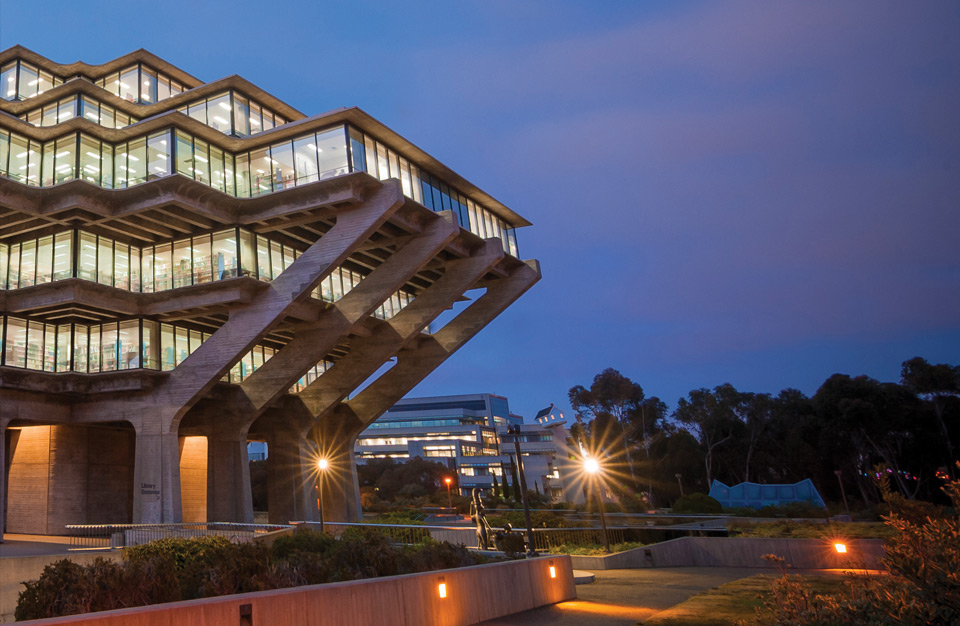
(922, 560)
(697, 503)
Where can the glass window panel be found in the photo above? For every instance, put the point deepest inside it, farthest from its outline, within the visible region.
(267, 120)
(150, 348)
(305, 152)
(284, 175)
(161, 266)
(263, 259)
(243, 175)
(45, 260)
(148, 85)
(14, 276)
(29, 79)
(121, 266)
(183, 344)
(158, 155)
(127, 84)
(81, 354)
(147, 265)
(88, 257)
(105, 261)
(198, 111)
(256, 118)
(184, 155)
(4, 256)
(229, 174)
(202, 266)
(217, 179)
(8, 81)
(261, 170)
(241, 115)
(276, 258)
(47, 115)
(4, 152)
(49, 355)
(383, 165)
(110, 351)
(332, 153)
(225, 254)
(136, 158)
(357, 151)
(134, 269)
(47, 163)
(93, 350)
(163, 88)
(19, 153)
(28, 264)
(182, 270)
(218, 113)
(108, 173)
(405, 178)
(16, 343)
(370, 148)
(128, 345)
(65, 159)
(34, 346)
(168, 349)
(248, 263)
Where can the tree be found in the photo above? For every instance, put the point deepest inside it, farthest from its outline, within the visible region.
(711, 417)
(514, 477)
(610, 404)
(935, 383)
(496, 487)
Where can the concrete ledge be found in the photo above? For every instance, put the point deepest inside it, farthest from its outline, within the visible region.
(474, 594)
(740, 552)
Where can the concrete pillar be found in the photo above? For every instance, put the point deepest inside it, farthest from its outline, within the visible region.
(228, 475)
(156, 477)
(290, 484)
(3, 475)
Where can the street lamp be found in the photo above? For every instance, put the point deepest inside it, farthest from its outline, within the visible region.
(515, 431)
(592, 467)
(448, 480)
(322, 465)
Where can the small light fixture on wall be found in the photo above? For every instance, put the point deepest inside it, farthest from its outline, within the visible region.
(841, 548)
(442, 588)
(553, 570)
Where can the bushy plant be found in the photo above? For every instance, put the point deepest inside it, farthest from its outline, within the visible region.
(923, 566)
(697, 503)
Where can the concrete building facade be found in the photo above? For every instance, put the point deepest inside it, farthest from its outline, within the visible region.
(187, 266)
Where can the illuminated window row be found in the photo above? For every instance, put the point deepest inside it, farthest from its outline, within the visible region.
(415, 423)
(183, 262)
(20, 80)
(141, 84)
(116, 346)
(78, 106)
(402, 441)
(382, 162)
(286, 164)
(233, 114)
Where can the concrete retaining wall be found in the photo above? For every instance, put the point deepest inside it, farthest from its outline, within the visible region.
(740, 552)
(15, 570)
(474, 594)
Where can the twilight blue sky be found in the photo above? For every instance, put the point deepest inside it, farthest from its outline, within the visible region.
(760, 193)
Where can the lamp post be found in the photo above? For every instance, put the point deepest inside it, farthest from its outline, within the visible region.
(448, 480)
(515, 431)
(680, 483)
(592, 467)
(322, 465)
(846, 507)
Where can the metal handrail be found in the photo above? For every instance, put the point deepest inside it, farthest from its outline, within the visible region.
(113, 536)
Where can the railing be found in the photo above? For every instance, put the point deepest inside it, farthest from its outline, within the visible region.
(112, 536)
(467, 535)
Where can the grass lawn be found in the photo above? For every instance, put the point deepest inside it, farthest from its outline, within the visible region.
(733, 601)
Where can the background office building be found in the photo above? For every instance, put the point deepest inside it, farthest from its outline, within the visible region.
(186, 267)
(469, 434)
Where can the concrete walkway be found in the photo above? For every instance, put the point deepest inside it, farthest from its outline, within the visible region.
(627, 596)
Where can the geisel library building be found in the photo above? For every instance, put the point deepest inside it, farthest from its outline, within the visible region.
(186, 267)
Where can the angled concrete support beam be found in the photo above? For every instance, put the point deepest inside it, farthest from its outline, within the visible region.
(313, 342)
(248, 325)
(414, 365)
(368, 354)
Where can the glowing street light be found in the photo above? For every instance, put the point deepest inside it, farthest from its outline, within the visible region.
(322, 465)
(841, 548)
(448, 480)
(592, 467)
